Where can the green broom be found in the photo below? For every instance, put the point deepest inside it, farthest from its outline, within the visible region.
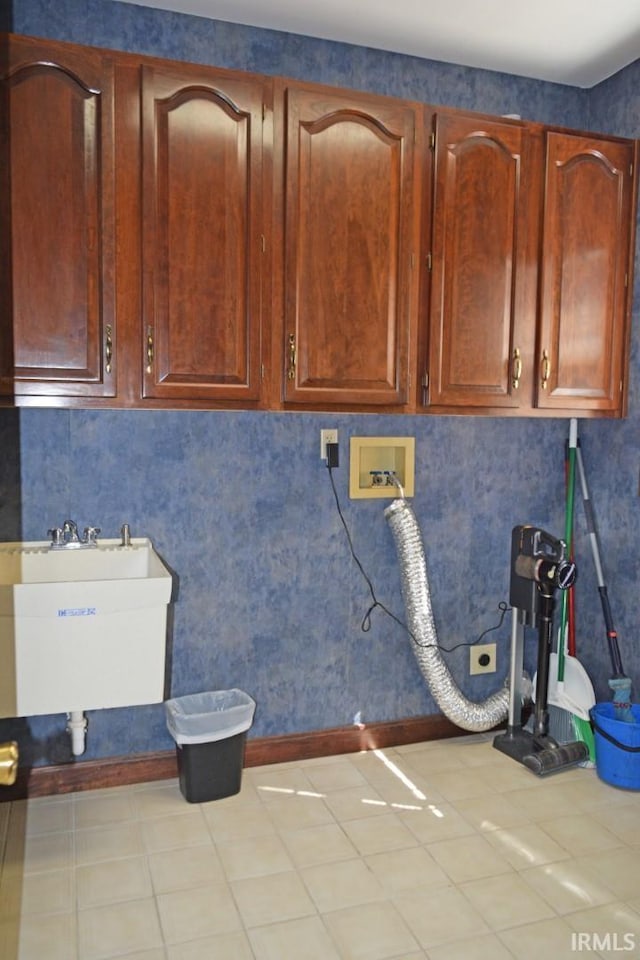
(571, 694)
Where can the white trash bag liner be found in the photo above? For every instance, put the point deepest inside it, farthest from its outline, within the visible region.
(206, 717)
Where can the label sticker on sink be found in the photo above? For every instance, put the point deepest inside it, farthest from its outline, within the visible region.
(77, 612)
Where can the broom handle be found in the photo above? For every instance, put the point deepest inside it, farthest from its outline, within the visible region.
(612, 636)
(568, 535)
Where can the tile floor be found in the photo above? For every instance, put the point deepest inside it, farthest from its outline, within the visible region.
(440, 850)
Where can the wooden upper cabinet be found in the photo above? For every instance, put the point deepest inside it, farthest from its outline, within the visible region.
(585, 269)
(482, 304)
(351, 230)
(203, 233)
(57, 275)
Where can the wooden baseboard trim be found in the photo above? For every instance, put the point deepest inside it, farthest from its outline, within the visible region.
(120, 771)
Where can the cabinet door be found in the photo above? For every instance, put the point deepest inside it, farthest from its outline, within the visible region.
(203, 233)
(57, 274)
(351, 227)
(482, 308)
(587, 231)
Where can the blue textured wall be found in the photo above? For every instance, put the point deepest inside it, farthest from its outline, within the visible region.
(239, 504)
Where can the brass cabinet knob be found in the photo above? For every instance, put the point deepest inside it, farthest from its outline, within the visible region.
(8, 763)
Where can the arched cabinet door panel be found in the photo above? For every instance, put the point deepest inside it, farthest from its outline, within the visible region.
(481, 319)
(351, 220)
(203, 235)
(57, 197)
(587, 230)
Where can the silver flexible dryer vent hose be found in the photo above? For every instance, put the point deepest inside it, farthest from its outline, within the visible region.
(415, 591)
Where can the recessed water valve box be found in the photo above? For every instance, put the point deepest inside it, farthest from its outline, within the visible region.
(381, 467)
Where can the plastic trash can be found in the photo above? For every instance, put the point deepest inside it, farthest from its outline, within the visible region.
(210, 731)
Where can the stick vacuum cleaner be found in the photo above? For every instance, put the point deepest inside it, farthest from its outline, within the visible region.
(539, 567)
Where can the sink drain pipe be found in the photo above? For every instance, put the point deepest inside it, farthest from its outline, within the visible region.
(464, 713)
(77, 727)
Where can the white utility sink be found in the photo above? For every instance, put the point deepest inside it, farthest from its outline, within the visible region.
(81, 629)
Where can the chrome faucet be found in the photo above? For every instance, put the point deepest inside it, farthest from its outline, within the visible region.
(66, 537)
(70, 532)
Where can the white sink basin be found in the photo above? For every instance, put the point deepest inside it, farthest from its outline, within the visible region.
(81, 629)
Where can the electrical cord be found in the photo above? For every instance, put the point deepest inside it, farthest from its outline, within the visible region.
(365, 626)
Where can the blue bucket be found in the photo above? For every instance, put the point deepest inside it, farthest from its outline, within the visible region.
(617, 746)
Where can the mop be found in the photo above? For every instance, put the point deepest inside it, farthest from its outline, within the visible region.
(619, 683)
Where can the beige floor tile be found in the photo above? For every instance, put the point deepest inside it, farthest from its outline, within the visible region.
(476, 752)
(51, 892)
(567, 886)
(163, 800)
(542, 799)
(283, 897)
(344, 884)
(115, 929)
(486, 947)
(356, 856)
(591, 794)
(175, 832)
(184, 869)
(410, 793)
(113, 881)
(49, 817)
(52, 936)
(108, 843)
(306, 938)
(526, 846)
(356, 803)
(608, 919)
(203, 912)
(97, 811)
(324, 844)
(580, 834)
(621, 819)
(254, 857)
(248, 820)
(509, 775)
(506, 901)
(439, 916)
(432, 760)
(156, 953)
(380, 767)
(377, 834)
(297, 811)
(48, 851)
(227, 946)
(618, 870)
(436, 821)
(339, 775)
(275, 782)
(400, 870)
(492, 812)
(549, 939)
(468, 858)
(370, 932)
(462, 784)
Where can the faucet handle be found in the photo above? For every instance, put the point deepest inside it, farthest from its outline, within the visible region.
(91, 534)
(57, 536)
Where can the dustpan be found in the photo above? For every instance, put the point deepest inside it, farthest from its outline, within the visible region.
(575, 691)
